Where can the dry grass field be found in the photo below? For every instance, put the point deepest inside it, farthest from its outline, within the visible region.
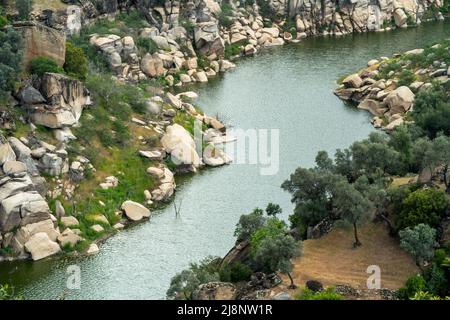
(332, 259)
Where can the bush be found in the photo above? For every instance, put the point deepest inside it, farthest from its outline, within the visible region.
(406, 77)
(3, 21)
(432, 110)
(7, 293)
(76, 64)
(41, 65)
(24, 8)
(327, 294)
(412, 286)
(147, 45)
(237, 272)
(426, 206)
(10, 60)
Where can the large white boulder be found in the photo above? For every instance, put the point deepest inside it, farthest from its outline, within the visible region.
(179, 143)
(135, 211)
(41, 246)
(399, 100)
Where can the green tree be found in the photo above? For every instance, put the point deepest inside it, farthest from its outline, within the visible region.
(413, 285)
(248, 224)
(76, 64)
(352, 206)
(184, 284)
(272, 227)
(436, 155)
(432, 110)
(24, 7)
(373, 155)
(274, 253)
(419, 242)
(273, 209)
(401, 141)
(10, 60)
(427, 206)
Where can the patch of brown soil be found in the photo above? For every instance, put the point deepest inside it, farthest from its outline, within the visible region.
(332, 259)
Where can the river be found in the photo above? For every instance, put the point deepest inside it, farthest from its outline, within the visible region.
(288, 88)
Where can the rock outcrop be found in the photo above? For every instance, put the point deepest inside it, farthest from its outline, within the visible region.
(40, 40)
(62, 103)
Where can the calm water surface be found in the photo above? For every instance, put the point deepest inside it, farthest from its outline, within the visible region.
(289, 89)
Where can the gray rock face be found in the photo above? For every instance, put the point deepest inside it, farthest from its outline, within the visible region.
(23, 154)
(30, 95)
(21, 209)
(6, 152)
(208, 40)
(65, 98)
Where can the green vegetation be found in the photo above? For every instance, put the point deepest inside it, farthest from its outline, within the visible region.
(10, 61)
(420, 242)
(3, 21)
(41, 65)
(235, 48)
(406, 77)
(327, 294)
(423, 206)
(146, 45)
(432, 110)
(76, 64)
(183, 284)
(271, 247)
(413, 285)
(7, 293)
(225, 15)
(24, 8)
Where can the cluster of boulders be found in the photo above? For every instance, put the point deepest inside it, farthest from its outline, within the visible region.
(382, 97)
(55, 101)
(344, 17)
(27, 226)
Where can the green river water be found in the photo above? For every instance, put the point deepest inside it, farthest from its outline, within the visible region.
(288, 88)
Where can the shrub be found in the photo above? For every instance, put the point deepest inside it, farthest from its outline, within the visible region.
(234, 49)
(419, 242)
(183, 284)
(7, 293)
(413, 285)
(24, 8)
(76, 64)
(237, 272)
(3, 21)
(10, 60)
(147, 45)
(426, 206)
(327, 294)
(406, 77)
(432, 110)
(41, 65)
(248, 224)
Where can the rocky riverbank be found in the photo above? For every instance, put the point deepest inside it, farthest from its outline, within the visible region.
(189, 42)
(388, 86)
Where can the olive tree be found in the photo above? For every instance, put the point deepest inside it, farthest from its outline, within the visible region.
(274, 254)
(184, 284)
(420, 242)
(352, 206)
